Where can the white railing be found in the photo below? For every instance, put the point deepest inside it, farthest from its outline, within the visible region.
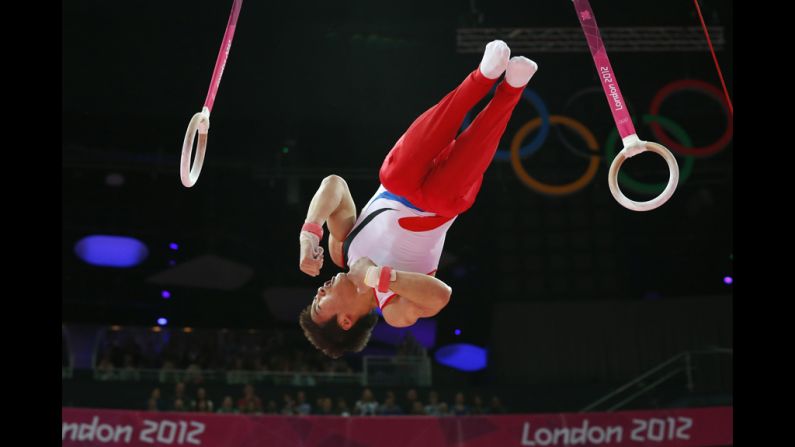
(232, 377)
(377, 370)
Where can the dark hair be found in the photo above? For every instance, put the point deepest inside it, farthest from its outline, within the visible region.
(334, 341)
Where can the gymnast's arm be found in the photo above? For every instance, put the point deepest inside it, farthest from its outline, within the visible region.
(333, 205)
(417, 295)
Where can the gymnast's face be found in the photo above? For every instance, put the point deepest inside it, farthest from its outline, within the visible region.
(336, 297)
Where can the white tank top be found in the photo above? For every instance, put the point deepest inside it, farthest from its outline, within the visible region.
(393, 232)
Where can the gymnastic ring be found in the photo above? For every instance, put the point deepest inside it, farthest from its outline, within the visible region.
(652, 188)
(200, 123)
(633, 146)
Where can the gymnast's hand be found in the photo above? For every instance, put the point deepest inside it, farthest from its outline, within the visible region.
(311, 260)
(358, 271)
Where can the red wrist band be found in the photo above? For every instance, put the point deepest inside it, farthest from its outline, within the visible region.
(313, 228)
(383, 280)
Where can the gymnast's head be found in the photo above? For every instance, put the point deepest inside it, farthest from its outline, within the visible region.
(339, 319)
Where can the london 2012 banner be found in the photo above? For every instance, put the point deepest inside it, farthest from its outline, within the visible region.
(693, 427)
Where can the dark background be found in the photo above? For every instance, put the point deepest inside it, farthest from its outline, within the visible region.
(315, 88)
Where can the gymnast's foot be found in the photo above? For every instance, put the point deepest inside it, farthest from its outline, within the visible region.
(495, 59)
(520, 70)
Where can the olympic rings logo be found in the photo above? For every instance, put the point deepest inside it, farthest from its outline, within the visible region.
(660, 126)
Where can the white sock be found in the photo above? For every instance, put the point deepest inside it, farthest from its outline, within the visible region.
(520, 70)
(495, 59)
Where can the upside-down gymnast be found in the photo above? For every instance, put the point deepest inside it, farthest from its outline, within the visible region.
(392, 249)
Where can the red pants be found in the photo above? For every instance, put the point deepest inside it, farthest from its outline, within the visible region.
(438, 172)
